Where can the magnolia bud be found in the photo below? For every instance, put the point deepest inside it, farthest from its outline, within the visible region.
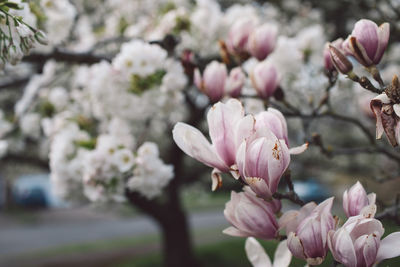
(340, 61)
(264, 78)
(368, 42)
(262, 41)
(355, 199)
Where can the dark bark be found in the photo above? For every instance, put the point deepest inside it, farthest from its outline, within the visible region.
(177, 244)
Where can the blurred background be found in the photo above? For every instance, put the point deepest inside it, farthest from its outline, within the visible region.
(38, 228)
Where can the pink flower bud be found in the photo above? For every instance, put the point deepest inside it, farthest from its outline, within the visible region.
(262, 41)
(291, 219)
(355, 199)
(308, 242)
(368, 42)
(262, 159)
(358, 242)
(327, 55)
(239, 35)
(340, 61)
(264, 78)
(235, 81)
(251, 216)
(213, 81)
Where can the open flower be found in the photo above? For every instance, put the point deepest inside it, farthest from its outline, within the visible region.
(358, 242)
(355, 200)
(228, 127)
(262, 159)
(308, 242)
(274, 120)
(258, 258)
(251, 216)
(291, 219)
(368, 42)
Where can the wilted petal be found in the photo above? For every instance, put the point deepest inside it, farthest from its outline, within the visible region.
(256, 253)
(216, 179)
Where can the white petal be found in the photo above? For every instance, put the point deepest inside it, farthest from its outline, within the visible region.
(283, 256)
(232, 231)
(256, 253)
(389, 248)
(298, 149)
(193, 143)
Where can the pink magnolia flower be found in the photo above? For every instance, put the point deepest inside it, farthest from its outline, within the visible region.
(355, 200)
(368, 42)
(235, 82)
(262, 41)
(291, 219)
(387, 116)
(238, 35)
(212, 83)
(358, 242)
(251, 216)
(274, 120)
(259, 258)
(264, 78)
(309, 241)
(262, 159)
(228, 127)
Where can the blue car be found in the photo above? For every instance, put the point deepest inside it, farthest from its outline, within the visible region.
(311, 190)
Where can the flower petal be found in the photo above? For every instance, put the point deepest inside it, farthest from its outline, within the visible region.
(298, 149)
(256, 253)
(193, 143)
(389, 248)
(282, 256)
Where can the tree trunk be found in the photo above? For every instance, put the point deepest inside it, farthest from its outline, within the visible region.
(177, 243)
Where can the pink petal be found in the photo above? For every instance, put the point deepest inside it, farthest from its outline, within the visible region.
(193, 143)
(383, 40)
(232, 231)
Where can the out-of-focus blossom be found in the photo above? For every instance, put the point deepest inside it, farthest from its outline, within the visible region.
(251, 216)
(274, 120)
(355, 200)
(259, 258)
(262, 41)
(228, 127)
(262, 159)
(358, 242)
(327, 55)
(387, 116)
(239, 34)
(368, 42)
(235, 82)
(265, 80)
(309, 241)
(150, 174)
(212, 83)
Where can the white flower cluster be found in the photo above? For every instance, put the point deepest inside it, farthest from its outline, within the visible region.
(150, 175)
(17, 32)
(60, 17)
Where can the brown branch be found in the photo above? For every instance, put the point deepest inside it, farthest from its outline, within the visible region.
(67, 56)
